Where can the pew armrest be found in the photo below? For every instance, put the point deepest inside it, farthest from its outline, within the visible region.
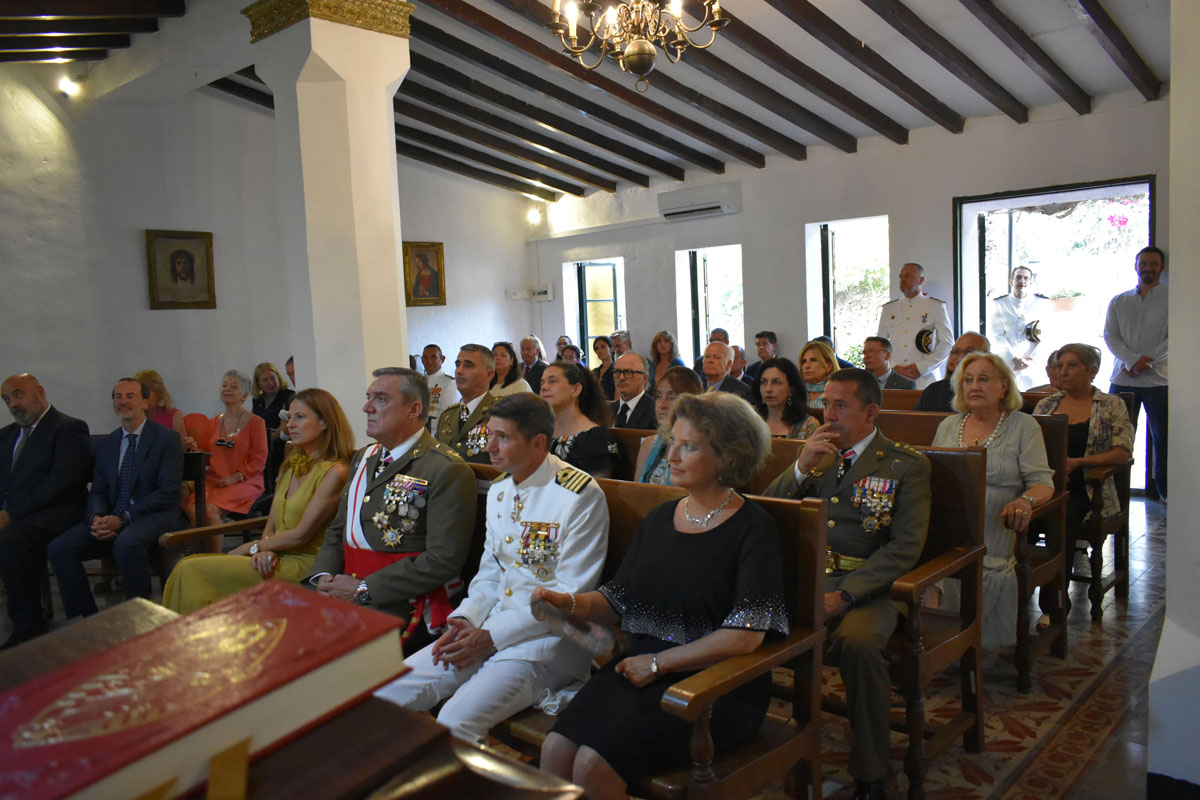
(174, 540)
(910, 587)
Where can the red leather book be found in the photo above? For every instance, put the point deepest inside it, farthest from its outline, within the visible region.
(265, 663)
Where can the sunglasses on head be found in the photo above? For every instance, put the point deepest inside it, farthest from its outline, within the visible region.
(225, 443)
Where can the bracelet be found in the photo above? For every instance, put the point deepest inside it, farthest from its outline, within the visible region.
(654, 664)
(1029, 500)
(571, 613)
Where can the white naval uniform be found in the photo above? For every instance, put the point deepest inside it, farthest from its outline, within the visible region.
(443, 393)
(529, 660)
(901, 320)
(1006, 332)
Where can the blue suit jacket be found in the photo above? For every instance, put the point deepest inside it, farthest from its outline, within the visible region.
(157, 476)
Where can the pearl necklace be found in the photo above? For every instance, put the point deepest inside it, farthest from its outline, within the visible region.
(707, 518)
(962, 423)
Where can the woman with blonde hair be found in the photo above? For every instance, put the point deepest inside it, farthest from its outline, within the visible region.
(1018, 479)
(664, 352)
(161, 409)
(817, 363)
(304, 504)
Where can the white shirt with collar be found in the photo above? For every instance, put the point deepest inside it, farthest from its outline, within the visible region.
(631, 404)
(125, 440)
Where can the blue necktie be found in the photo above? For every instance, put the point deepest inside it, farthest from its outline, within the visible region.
(125, 476)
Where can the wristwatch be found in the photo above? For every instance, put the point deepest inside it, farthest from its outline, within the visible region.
(849, 598)
(363, 595)
(254, 548)
(126, 520)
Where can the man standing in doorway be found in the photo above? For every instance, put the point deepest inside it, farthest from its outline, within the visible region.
(919, 328)
(1135, 330)
(1016, 324)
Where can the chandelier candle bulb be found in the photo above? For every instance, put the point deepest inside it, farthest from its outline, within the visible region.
(557, 9)
(676, 9)
(572, 18)
(610, 19)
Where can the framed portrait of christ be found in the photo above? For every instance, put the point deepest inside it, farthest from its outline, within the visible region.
(179, 267)
(424, 274)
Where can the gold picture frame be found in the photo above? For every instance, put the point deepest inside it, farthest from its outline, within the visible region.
(179, 267)
(424, 274)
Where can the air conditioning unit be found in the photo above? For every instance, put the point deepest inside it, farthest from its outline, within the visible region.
(701, 201)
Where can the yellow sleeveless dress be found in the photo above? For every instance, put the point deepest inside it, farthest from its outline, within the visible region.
(201, 579)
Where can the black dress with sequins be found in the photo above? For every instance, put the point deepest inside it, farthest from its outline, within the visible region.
(594, 450)
(673, 588)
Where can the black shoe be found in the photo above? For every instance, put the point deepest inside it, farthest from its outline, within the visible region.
(21, 636)
(870, 790)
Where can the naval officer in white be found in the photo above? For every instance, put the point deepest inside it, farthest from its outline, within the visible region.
(547, 525)
(901, 321)
(1009, 329)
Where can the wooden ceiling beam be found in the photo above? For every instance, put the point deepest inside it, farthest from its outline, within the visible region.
(418, 135)
(100, 9)
(1117, 45)
(949, 57)
(424, 32)
(804, 76)
(725, 73)
(1031, 54)
(26, 43)
(413, 88)
(70, 27)
(407, 150)
(433, 159)
(535, 11)
(464, 131)
(848, 46)
(467, 14)
(57, 55)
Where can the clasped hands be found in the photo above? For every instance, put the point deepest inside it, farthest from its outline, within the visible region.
(1141, 365)
(462, 645)
(264, 561)
(105, 527)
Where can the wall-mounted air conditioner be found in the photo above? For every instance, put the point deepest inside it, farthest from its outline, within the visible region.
(701, 201)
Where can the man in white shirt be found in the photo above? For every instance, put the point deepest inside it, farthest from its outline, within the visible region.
(1135, 330)
(547, 525)
(634, 408)
(1012, 327)
(918, 327)
(442, 391)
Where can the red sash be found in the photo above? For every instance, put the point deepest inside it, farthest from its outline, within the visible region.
(361, 563)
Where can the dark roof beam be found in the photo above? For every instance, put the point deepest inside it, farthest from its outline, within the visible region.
(49, 43)
(70, 27)
(433, 159)
(1117, 45)
(57, 55)
(1031, 54)
(83, 9)
(953, 60)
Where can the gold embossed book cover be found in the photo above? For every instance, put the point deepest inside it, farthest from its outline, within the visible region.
(265, 663)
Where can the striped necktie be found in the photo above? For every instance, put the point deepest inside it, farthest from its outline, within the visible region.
(844, 463)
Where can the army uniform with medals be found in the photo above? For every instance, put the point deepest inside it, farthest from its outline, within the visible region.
(404, 527)
(919, 330)
(1015, 330)
(550, 531)
(469, 437)
(878, 520)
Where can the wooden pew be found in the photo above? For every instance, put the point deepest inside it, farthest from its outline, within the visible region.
(786, 746)
(906, 399)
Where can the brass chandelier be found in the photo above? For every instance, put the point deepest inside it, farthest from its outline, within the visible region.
(631, 32)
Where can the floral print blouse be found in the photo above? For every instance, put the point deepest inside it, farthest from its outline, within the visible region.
(1109, 427)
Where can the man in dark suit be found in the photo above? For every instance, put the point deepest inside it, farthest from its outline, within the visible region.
(44, 460)
(634, 407)
(877, 358)
(718, 359)
(878, 493)
(533, 362)
(135, 498)
(765, 343)
(715, 335)
(404, 523)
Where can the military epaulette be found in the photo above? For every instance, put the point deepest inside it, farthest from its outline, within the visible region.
(1039, 294)
(1001, 297)
(889, 302)
(571, 479)
(500, 477)
(940, 300)
(906, 447)
(447, 451)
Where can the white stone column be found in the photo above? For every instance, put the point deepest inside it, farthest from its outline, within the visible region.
(334, 67)
(1174, 729)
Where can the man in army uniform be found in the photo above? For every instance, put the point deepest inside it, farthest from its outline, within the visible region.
(463, 426)
(918, 327)
(404, 524)
(878, 492)
(547, 525)
(1009, 327)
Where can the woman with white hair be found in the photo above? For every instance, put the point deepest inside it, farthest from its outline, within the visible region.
(237, 440)
(1018, 479)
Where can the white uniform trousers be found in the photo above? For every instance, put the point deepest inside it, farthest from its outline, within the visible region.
(479, 697)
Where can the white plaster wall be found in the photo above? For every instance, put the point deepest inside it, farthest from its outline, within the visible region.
(914, 185)
(79, 185)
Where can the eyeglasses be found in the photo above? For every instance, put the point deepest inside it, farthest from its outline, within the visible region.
(628, 373)
(225, 443)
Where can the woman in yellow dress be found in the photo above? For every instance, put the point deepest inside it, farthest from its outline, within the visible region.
(306, 499)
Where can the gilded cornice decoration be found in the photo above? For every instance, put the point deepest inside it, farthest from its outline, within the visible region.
(383, 16)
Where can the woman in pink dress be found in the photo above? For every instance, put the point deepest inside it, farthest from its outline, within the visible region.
(161, 410)
(237, 440)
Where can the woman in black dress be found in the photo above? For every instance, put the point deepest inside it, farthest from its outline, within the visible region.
(602, 346)
(582, 436)
(271, 396)
(701, 582)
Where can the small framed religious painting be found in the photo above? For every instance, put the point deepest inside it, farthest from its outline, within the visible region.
(179, 265)
(424, 274)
